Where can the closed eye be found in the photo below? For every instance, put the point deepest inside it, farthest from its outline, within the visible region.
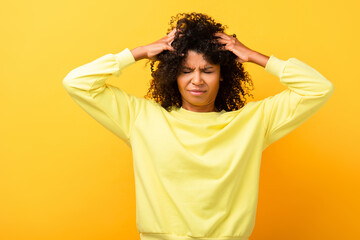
(204, 72)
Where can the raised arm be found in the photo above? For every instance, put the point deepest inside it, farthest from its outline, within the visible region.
(307, 91)
(110, 106)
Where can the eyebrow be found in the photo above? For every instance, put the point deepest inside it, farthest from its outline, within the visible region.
(186, 67)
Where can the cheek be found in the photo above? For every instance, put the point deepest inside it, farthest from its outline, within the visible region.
(215, 82)
(181, 83)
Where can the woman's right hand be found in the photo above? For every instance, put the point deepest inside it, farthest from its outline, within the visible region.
(151, 50)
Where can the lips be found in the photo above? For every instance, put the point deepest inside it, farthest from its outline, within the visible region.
(196, 92)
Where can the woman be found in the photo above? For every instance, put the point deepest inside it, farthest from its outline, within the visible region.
(196, 143)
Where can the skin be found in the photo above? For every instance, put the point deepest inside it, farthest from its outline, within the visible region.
(196, 76)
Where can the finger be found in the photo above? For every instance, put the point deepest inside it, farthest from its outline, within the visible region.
(221, 35)
(167, 38)
(221, 40)
(172, 32)
(170, 40)
(218, 36)
(224, 36)
(170, 48)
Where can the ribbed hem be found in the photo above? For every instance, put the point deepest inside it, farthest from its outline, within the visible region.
(275, 66)
(164, 236)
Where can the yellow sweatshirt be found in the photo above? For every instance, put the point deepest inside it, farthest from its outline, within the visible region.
(197, 173)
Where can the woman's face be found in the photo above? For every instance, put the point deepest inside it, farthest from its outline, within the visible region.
(198, 74)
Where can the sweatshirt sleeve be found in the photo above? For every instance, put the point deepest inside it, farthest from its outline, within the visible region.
(307, 91)
(110, 106)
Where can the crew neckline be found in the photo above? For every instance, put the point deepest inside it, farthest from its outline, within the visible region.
(189, 113)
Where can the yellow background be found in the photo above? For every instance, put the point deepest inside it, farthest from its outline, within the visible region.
(64, 176)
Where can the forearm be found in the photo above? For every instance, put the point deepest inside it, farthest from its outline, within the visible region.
(138, 53)
(92, 76)
(258, 58)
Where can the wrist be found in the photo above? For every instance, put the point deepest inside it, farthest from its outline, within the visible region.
(258, 58)
(138, 53)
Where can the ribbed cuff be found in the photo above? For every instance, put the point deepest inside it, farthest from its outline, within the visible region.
(275, 66)
(124, 58)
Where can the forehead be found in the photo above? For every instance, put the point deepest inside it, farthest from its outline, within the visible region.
(194, 59)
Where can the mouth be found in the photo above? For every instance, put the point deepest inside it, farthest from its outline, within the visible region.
(196, 93)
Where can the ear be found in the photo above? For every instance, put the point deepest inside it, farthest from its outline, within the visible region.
(221, 79)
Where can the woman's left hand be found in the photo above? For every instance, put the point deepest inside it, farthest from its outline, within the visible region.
(235, 46)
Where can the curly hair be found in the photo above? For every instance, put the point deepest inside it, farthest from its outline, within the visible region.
(195, 31)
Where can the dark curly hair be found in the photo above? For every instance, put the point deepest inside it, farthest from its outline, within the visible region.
(195, 31)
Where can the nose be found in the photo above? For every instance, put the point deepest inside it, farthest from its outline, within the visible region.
(196, 80)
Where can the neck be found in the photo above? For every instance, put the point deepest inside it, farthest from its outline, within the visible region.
(200, 109)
